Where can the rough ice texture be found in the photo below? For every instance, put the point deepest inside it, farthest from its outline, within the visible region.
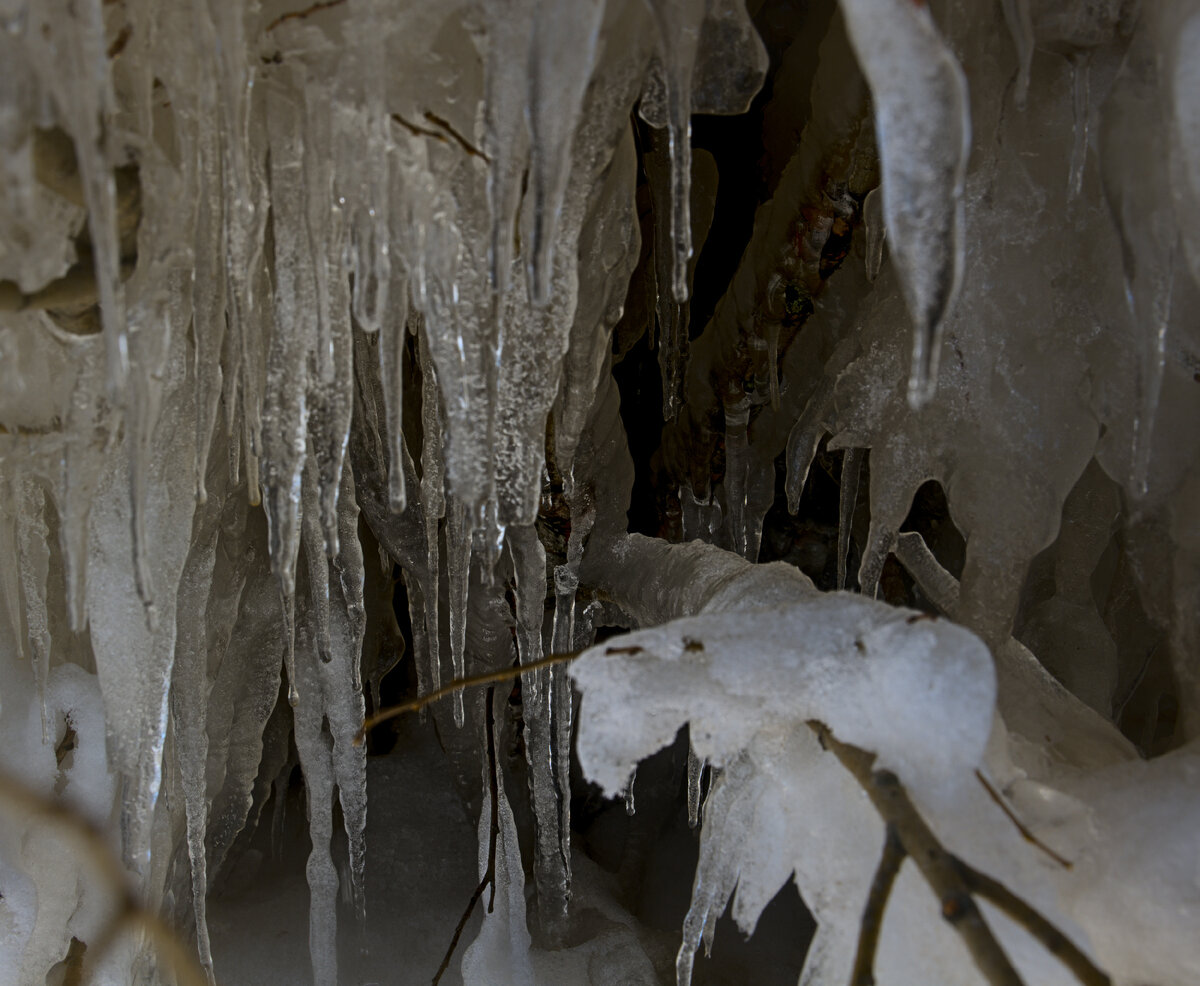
(263, 266)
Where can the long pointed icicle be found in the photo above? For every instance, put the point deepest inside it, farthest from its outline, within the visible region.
(189, 711)
(433, 502)
(923, 130)
(33, 557)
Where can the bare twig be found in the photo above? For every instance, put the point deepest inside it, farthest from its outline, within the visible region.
(489, 875)
(1025, 833)
(488, 678)
(462, 141)
(940, 869)
(872, 919)
(1053, 940)
(300, 14)
(93, 846)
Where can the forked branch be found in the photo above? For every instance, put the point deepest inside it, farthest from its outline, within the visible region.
(953, 882)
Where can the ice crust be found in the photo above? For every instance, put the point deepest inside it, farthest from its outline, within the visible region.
(264, 267)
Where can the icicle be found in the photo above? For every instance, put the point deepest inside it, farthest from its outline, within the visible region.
(189, 709)
(33, 558)
(433, 503)
(314, 746)
(458, 570)
(695, 770)
(923, 131)
(10, 575)
(501, 952)
(678, 25)
(772, 340)
(392, 337)
(208, 300)
(351, 569)
(561, 57)
(551, 869)
(670, 311)
(701, 518)
(852, 461)
(372, 262)
(1153, 361)
(314, 555)
(737, 464)
(876, 231)
(1020, 25)
(331, 398)
(285, 408)
(1081, 65)
(630, 807)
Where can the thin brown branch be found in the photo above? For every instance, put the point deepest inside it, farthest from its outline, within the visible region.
(300, 14)
(462, 141)
(939, 867)
(90, 840)
(488, 678)
(418, 131)
(1012, 817)
(1053, 940)
(489, 875)
(872, 919)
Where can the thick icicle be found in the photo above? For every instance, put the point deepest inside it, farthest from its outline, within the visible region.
(630, 806)
(852, 463)
(189, 709)
(923, 131)
(551, 869)
(671, 312)
(285, 406)
(563, 52)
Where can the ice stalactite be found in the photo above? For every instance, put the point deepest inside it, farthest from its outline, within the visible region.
(458, 576)
(852, 463)
(314, 744)
(923, 130)
(285, 404)
(541, 697)
(737, 455)
(189, 707)
(501, 950)
(393, 333)
(433, 504)
(32, 557)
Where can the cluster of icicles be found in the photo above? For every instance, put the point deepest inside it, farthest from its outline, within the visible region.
(251, 224)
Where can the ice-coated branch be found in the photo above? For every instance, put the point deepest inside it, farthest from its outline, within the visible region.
(92, 844)
(954, 882)
(872, 919)
(940, 869)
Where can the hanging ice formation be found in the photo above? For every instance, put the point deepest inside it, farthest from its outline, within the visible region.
(283, 284)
